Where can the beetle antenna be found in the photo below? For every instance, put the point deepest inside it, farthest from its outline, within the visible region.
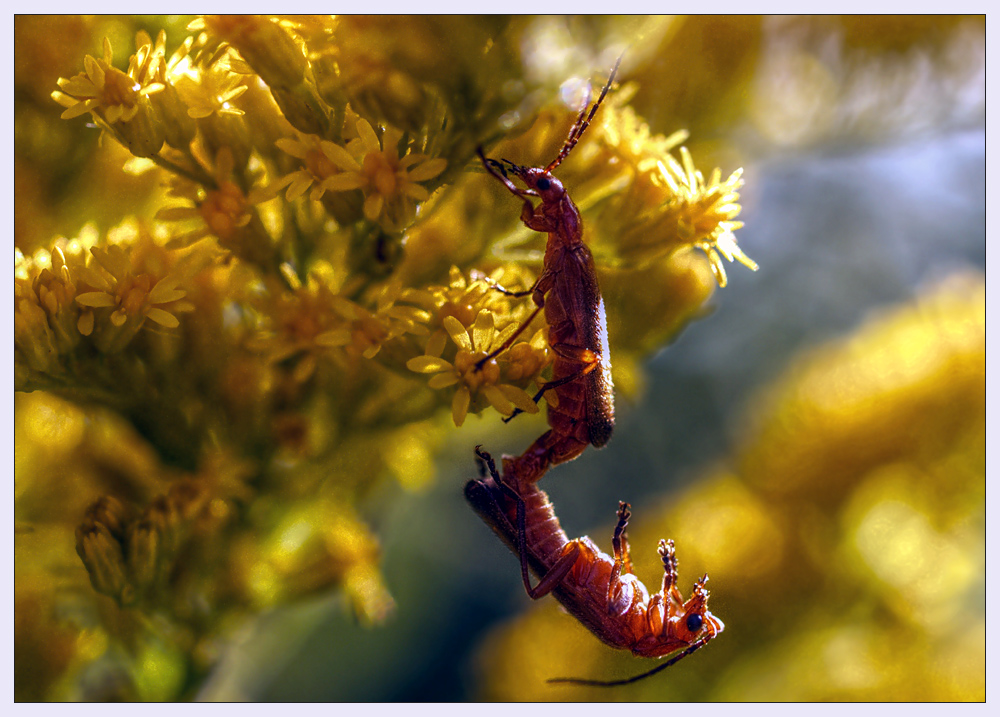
(629, 680)
(581, 124)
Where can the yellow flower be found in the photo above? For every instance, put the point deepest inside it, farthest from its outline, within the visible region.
(390, 182)
(472, 347)
(132, 296)
(211, 88)
(325, 167)
(631, 138)
(312, 320)
(224, 210)
(367, 332)
(460, 298)
(46, 317)
(706, 210)
(103, 89)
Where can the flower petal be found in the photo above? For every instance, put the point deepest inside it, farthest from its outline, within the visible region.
(86, 323)
(373, 207)
(95, 298)
(436, 343)
(92, 276)
(293, 147)
(298, 186)
(458, 333)
(114, 113)
(176, 214)
(483, 331)
(496, 398)
(343, 182)
(415, 191)
(460, 405)
(163, 318)
(113, 258)
(336, 337)
(443, 380)
(368, 137)
(519, 397)
(427, 364)
(339, 156)
(77, 110)
(94, 71)
(165, 291)
(429, 169)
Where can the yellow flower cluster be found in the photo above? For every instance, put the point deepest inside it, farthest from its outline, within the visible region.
(62, 297)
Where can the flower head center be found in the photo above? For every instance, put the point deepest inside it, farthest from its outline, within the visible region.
(380, 173)
(465, 364)
(223, 208)
(119, 89)
(133, 292)
(319, 165)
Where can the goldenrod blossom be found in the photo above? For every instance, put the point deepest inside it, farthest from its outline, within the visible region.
(472, 347)
(389, 181)
(224, 210)
(706, 210)
(326, 166)
(211, 89)
(106, 90)
(132, 296)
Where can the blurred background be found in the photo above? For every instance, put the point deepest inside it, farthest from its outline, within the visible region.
(816, 443)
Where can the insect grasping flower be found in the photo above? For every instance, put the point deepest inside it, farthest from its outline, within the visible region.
(388, 181)
(476, 384)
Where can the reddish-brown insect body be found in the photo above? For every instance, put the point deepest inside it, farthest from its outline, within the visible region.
(599, 590)
(574, 311)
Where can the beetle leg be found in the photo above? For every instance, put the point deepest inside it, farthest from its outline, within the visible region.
(503, 179)
(562, 566)
(510, 340)
(669, 557)
(620, 548)
(508, 292)
(566, 351)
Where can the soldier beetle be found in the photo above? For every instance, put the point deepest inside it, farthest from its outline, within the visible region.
(599, 590)
(574, 311)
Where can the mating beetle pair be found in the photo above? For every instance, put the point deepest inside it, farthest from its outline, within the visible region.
(598, 589)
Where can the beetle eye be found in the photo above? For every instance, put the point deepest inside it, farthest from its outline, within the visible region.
(694, 622)
(543, 184)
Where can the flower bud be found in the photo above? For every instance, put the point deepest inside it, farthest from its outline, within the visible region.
(145, 554)
(143, 135)
(265, 46)
(178, 128)
(112, 514)
(102, 555)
